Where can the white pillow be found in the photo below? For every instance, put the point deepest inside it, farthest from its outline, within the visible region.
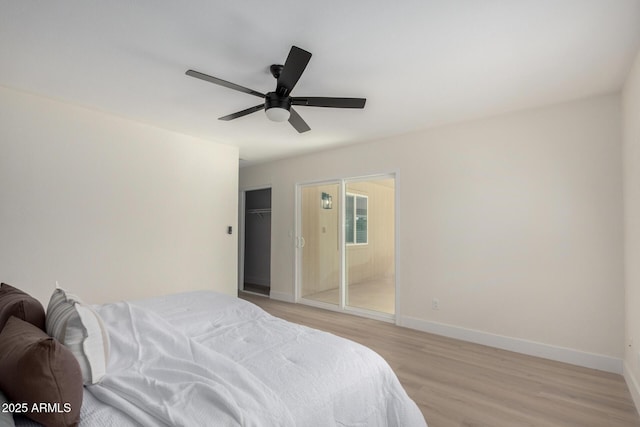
(79, 328)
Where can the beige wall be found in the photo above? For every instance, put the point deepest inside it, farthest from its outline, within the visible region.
(111, 208)
(631, 152)
(512, 222)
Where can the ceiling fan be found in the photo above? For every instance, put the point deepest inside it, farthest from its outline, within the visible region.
(278, 104)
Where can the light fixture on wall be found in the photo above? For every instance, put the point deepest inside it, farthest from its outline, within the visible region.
(327, 201)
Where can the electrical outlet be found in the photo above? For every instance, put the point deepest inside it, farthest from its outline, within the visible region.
(435, 304)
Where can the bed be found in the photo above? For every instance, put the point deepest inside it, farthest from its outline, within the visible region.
(202, 358)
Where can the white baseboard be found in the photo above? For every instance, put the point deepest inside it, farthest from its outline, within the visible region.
(633, 385)
(531, 348)
(281, 296)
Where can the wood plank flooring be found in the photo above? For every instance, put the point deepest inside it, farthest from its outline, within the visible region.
(456, 383)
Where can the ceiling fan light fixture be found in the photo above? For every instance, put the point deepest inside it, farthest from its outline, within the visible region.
(277, 107)
(277, 114)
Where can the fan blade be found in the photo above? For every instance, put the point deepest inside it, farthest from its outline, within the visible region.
(329, 102)
(242, 113)
(294, 66)
(224, 83)
(297, 122)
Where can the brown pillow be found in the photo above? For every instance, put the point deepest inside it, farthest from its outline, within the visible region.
(14, 302)
(37, 370)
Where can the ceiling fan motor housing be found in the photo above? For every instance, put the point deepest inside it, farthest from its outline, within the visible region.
(273, 100)
(277, 107)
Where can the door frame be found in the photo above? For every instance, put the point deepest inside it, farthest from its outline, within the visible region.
(241, 231)
(299, 242)
(342, 306)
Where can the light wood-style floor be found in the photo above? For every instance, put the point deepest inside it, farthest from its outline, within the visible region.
(456, 383)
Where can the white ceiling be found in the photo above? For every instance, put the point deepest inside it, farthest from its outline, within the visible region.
(419, 63)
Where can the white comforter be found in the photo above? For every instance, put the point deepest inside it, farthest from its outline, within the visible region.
(159, 376)
(205, 359)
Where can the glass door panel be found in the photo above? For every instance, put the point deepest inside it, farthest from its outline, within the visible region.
(320, 242)
(370, 244)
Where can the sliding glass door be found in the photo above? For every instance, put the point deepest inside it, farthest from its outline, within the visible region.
(370, 244)
(319, 243)
(346, 244)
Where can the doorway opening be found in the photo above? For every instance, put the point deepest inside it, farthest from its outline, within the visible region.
(346, 245)
(256, 274)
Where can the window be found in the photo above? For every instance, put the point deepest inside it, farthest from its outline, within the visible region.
(356, 212)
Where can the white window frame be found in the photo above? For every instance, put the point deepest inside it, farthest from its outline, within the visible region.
(354, 216)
